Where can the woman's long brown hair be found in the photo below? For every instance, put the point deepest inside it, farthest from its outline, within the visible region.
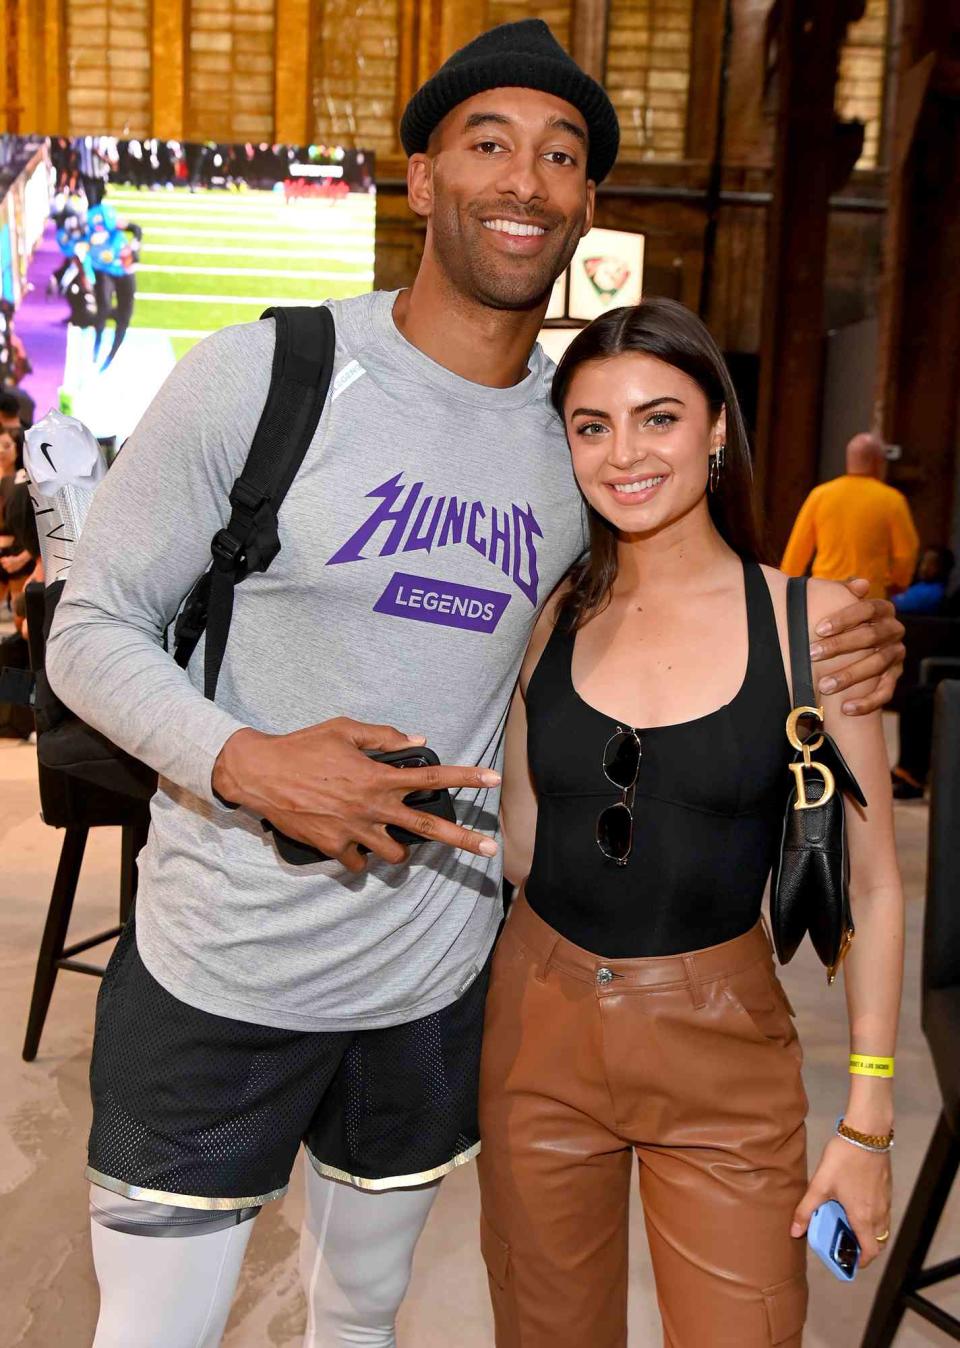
(672, 333)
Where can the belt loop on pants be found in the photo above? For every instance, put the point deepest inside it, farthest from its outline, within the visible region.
(544, 969)
(693, 982)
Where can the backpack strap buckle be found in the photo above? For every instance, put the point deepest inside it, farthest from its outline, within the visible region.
(250, 540)
(245, 496)
(227, 550)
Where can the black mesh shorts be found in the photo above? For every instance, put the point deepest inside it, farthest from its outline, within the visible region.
(208, 1112)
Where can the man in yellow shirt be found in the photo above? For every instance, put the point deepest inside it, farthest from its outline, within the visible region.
(855, 525)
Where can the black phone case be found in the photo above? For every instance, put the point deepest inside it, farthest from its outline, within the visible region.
(437, 803)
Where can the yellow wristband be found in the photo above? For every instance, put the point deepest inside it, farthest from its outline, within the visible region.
(865, 1065)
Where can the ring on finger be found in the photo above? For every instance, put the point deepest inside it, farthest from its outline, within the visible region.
(883, 1237)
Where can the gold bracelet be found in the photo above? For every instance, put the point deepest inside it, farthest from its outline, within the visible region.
(867, 1065)
(868, 1141)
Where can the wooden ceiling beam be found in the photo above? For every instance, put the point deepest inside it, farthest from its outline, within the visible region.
(811, 162)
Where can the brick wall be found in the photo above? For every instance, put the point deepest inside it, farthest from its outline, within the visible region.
(860, 85)
(511, 11)
(230, 70)
(108, 67)
(648, 75)
(354, 89)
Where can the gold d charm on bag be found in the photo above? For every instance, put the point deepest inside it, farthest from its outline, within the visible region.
(805, 748)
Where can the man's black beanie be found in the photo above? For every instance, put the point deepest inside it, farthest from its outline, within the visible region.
(522, 55)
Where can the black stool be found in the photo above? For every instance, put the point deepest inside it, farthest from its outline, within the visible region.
(905, 1278)
(77, 807)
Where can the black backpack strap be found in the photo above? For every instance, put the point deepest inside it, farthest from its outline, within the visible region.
(302, 369)
(798, 631)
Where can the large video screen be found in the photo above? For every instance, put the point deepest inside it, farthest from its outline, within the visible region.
(116, 256)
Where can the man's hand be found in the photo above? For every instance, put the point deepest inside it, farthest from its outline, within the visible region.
(871, 630)
(319, 786)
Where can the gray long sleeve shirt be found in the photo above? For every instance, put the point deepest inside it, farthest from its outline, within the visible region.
(430, 520)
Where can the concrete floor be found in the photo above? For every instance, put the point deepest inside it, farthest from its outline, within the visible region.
(45, 1267)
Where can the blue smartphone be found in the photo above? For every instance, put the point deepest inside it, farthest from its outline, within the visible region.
(831, 1237)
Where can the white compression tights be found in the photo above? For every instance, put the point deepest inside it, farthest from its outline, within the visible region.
(356, 1251)
(175, 1291)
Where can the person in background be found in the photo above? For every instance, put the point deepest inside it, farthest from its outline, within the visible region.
(114, 249)
(96, 158)
(14, 364)
(856, 525)
(10, 462)
(927, 594)
(10, 413)
(16, 408)
(16, 561)
(75, 278)
(26, 404)
(18, 566)
(63, 159)
(19, 544)
(8, 469)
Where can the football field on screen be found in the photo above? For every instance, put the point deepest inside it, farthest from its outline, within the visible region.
(210, 259)
(213, 258)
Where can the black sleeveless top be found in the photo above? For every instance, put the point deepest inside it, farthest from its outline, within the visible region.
(708, 808)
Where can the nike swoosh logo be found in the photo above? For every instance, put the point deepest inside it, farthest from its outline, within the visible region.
(44, 446)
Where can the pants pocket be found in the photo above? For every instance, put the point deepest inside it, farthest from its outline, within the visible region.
(786, 1307)
(496, 1256)
(762, 1006)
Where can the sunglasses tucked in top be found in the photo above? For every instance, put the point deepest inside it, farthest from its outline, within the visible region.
(621, 766)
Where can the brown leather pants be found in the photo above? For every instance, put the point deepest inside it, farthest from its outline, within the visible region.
(692, 1062)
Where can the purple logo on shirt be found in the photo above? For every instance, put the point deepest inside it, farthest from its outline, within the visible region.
(441, 601)
(415, 523)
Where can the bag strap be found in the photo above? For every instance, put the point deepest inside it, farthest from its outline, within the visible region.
(303, 361)
(801, 670)
(804, 694)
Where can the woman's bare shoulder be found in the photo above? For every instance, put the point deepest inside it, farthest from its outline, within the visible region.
(542, 632)
(776, 580)
(823, 596)
(777, 585)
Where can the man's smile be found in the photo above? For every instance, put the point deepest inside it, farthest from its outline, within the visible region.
(518, 227)
(518, 238)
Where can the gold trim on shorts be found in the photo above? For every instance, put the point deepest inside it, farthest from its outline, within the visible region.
(393, 1181)
(181, 1200)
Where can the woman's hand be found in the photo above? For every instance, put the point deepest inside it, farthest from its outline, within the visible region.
(861, 1182)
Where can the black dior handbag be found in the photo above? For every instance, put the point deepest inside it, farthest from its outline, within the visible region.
(810, 892)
